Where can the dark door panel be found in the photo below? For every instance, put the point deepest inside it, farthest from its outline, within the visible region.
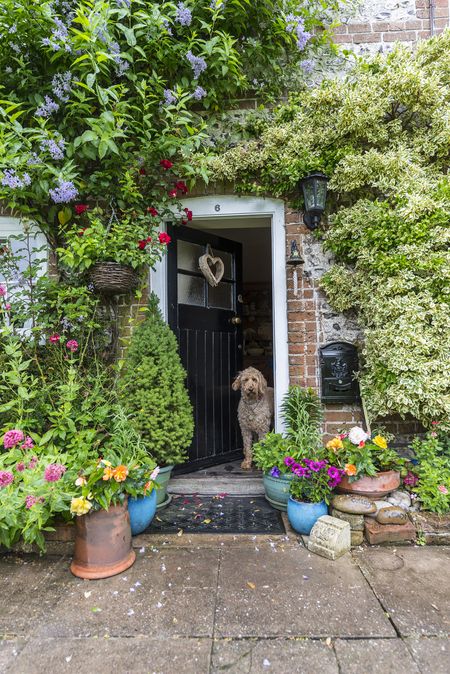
(210, 341)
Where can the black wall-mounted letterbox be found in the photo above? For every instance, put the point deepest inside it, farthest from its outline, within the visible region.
(338, 363)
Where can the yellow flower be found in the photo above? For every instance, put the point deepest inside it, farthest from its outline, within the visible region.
(335, 444)
(108, 473)
(120, 473)
(379, 441)
(80, 506)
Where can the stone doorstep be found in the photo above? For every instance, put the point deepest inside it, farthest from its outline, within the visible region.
(376, 533)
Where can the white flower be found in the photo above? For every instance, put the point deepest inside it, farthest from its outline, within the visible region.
(357, 435)
(154, 475)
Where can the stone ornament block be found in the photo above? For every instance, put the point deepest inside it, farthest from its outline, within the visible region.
(356, 521)
(330, 537)
(357, 538)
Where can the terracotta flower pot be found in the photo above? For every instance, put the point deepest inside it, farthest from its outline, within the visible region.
(103, 543)
(372, 487)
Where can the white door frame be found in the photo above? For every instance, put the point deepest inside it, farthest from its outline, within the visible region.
(230, 206)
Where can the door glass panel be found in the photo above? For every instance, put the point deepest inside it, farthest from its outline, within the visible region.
(191, 290)
(221, 297)
(227, 260)
(188, 255)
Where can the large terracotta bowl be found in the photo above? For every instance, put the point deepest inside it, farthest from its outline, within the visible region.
(372, 487)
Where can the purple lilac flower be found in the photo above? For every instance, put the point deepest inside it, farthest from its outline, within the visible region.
(54, 147)
(13, 29)
(12, 180)
(183, 15)
(30, 501)
(60, 34)
(166, 25)
(307, 65)
(198, 64)
(8, 70)
(275, 472)
(47, 108)
(124, 3)
(199, 93)
(65, 192)
(33, 159)
(12, 438)
(297, 24)
(169, 97)
(5, 478)
(122, 65)
(61, 85)
(54, 472)
(15, 47)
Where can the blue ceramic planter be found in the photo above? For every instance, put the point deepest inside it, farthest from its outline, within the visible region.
(277, 490)
(303, 516)
(142, 511)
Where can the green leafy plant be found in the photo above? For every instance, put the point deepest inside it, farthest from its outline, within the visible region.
(153, 392)
(270, 452)
(429, 476)
(360, 454)
(302, 413)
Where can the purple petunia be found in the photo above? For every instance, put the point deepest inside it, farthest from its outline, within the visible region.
(333, 472)
(65, 192)
(183, 15)
(275, 472)
(198, 64)
(289, 461)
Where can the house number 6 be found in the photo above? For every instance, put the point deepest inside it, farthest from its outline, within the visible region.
(217, 208)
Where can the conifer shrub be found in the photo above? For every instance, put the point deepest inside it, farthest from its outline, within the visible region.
(153, 391)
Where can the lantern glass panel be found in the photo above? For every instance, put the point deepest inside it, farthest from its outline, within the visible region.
(321, 198)
(308, 195)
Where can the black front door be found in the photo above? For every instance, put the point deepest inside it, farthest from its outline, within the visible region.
(207, 322)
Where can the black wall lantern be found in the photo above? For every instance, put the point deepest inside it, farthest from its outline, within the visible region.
(314, 189)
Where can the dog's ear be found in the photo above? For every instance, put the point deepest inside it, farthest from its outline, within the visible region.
(262, 384)
(236, 385)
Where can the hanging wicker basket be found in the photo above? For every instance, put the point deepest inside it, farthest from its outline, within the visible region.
(111, 278)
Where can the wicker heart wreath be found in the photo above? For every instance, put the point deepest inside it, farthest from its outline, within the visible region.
(211, 267)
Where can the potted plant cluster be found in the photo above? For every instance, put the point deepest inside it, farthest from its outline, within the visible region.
(103, 531)
(302, 415)
(310, 490)
(371, 468)
(153, 392)
(113, 251)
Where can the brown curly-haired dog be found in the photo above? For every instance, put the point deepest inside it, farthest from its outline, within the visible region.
(255, 410)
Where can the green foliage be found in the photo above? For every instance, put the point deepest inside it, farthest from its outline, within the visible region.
(433, 470)
(382, 136)
(270, 452)
(153, 392)
(302, 413)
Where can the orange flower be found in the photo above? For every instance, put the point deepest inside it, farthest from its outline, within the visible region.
(120, 473)
(350, 469)
(108, 473)
(335, 444)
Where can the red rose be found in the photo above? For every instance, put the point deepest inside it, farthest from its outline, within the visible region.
(181, 185)
(152, 210)
(184, 221)
(54, 339)
(188, 214)
(164, 238)
(142, 172)
(362, 444)
(172, 193)
(142, 244)
(149, 239)
(81, 208)
(166, 164)
(81, 231)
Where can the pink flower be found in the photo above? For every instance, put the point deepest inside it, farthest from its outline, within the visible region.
(54, 472)
(443, 489)
(5, 478)
(20, 467)
(433, 434)
(12, 438)
(2, 291)
(28, 444)
(72, 345)
(33, 463)
(30, 501)
(54, 339)
(410, 479)
(7, 306)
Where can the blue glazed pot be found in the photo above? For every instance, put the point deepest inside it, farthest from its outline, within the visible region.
(142, 511)
(303, 516)
(277, 490)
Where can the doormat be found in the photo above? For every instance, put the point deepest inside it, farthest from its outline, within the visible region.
(220, 514)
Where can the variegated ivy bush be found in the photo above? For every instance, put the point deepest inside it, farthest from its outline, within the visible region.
(382, 136)
(98, 95)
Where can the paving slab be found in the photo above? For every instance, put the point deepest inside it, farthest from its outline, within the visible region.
(9, 650)
(412, 584)
(270, 591)
(141, 655)
(432, 654)
(374, 656)
(165, 593)
(30, 587)
(280, 656)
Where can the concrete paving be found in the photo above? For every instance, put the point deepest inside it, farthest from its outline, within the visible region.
(238, 604)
